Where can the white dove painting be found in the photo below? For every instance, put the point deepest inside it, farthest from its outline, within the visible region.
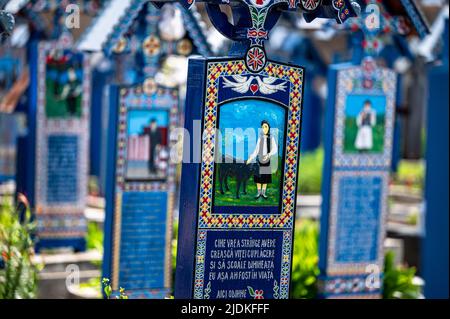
(241, 84)
(266, 86)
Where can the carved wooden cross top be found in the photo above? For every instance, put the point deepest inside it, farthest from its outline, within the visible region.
(255, 19)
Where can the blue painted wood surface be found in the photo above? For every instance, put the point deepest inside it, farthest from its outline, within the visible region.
(435, 243)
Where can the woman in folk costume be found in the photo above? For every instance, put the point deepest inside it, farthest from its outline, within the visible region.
(365, 121)
(266, 147)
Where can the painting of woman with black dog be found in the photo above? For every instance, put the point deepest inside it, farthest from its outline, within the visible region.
(248, 169)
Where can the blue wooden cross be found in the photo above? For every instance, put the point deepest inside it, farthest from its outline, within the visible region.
(380, 21)
(145, 186)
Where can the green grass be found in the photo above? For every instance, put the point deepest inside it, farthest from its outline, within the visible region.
(229, 198)
(58, 108)
(310, 172)
(305, 268)
(410, 173)
(351, 130)
(94, 238)
(94, 283)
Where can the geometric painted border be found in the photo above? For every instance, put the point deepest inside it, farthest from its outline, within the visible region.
(336, 268)
(349, 82)
(135, 98)
(72, 212)
(342, 287)
(199, 280)
(206, 217)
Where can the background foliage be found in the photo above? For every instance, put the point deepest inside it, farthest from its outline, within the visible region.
(310, 173)
(18, 274)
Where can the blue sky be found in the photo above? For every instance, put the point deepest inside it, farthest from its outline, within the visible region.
(356, 102)
(249, 114)
(137, 119)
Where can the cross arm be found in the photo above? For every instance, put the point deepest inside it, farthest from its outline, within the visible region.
(340, 10)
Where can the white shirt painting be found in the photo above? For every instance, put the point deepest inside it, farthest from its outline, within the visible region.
(365, 121)
(265, 153)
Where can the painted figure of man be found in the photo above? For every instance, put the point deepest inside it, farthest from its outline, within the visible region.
(72, 89)
(366, 120)
(155, 140)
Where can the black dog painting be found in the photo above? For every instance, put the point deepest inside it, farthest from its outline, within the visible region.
(241, 172)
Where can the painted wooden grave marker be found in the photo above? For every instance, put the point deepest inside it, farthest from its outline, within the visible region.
(237, 205)
(52, 156)
(358, 154)
(140, 201)
(358, 150)
(61, 146)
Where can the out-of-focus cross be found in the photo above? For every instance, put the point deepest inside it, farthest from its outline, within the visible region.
(6, 25)
(376, 23)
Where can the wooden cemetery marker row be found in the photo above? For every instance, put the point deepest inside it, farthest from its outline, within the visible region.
(108, 33)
